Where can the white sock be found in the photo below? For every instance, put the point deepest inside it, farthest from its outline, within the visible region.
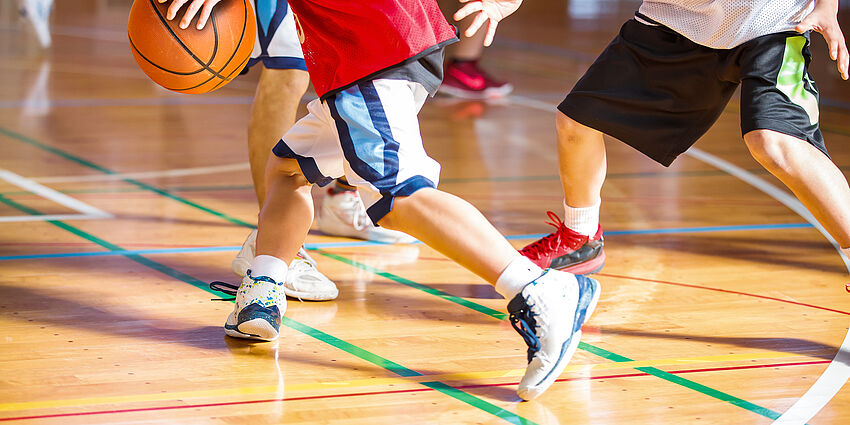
(273, 267)
(583, 220)
(519, 272)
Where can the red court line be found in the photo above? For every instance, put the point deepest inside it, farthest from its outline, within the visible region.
(709, 288)
(414, 390)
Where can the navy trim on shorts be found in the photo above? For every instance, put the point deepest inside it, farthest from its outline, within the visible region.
(308, 165)
(280, 62)
(384, 205)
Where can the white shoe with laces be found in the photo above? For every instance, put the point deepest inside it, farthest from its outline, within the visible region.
(260, 305)
(343, 214)
(303, 280)
(548, 313)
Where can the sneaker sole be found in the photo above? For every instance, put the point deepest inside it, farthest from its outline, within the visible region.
(583, 312)
(258, 329)
(491, 93)
(591, 266)
(533, 392)
(311, 296)
(586, 307)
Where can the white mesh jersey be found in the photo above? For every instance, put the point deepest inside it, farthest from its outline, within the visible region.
(724, 24)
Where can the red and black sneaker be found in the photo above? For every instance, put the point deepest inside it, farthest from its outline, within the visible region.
(465, 79)
(567, 250)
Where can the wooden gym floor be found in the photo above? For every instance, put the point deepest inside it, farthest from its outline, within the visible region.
(720, 304)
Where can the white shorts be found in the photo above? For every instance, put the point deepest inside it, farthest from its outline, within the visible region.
(368, 133)
(277, 44)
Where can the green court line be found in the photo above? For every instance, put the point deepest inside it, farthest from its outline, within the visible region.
(298, 326)
(601, 352)
(469, 304)
(145, 186)
(425, 288)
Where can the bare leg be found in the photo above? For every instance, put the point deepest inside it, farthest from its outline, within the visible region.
(813, 178)
(454, 228)
(582, 162)
(468, 48)
(286, 216)
(272, 114)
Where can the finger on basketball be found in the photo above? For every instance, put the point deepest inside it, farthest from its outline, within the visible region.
(205, 13)
(190, 13)
(174, 8)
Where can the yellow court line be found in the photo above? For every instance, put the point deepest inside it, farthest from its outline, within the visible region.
(466, 376)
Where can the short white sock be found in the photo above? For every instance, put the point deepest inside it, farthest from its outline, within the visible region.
(519, 272)
(267, 265)
(583, 220)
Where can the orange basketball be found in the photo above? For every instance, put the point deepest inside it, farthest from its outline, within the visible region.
(191, 60)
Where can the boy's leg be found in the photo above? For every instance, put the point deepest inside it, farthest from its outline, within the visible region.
(576, 246)
(379, 135)
(273, 112)
(813, 178)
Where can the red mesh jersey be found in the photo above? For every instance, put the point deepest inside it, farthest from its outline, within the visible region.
(346, 40)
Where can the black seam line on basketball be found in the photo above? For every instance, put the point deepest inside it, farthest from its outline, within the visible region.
(80, 161)
(239, 44)
(238, 68)
(601, 352)
(329, 339)
(180, 42)
(229, 76)
(136, 49)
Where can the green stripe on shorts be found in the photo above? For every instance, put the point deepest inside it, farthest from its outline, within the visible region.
(792, 75)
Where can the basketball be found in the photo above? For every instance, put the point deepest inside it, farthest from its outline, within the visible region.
(191, 60)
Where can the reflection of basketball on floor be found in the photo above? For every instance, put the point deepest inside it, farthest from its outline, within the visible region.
(191, 60)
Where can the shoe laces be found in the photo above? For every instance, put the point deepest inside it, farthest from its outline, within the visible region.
(552, 241)
(352, 207)
(231, 289)
(524, 321)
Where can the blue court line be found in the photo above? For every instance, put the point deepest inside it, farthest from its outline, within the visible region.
(358, 244)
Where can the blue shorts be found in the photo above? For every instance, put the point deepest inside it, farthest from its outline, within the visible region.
(368, 133)
(277, 44)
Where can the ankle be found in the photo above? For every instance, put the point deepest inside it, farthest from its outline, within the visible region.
(519, 273)
(269, 266)
(582, 220)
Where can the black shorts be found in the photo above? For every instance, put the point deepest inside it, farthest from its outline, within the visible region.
(658, 91)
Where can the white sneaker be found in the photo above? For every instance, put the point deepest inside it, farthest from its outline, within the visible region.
(38, 12)
(260, 305)
(548, 313)
(303, 280)
(343, 214)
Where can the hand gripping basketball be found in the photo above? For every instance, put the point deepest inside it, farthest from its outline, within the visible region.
(192, 60)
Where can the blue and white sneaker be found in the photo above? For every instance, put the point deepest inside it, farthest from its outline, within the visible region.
(549, 313)
(260, 304)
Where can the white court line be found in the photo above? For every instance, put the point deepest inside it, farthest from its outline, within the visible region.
(146, 175)
(838, 371)
(86, 211)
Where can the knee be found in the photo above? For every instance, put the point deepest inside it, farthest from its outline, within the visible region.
(570, 132)
(292, 82)
(771, 149)
(286, 170)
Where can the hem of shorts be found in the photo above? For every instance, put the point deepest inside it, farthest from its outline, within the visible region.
(372, 76)
(308, 165)
(782, 127)
(602, 126)
(384, 205)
